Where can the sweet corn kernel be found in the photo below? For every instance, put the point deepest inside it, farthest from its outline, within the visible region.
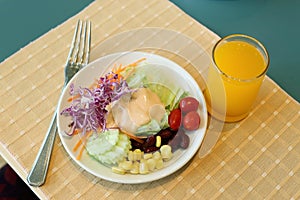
(135, 168)
(159, 164)
(144, 167)
(126, 165)
(148, 156)
(158, 141)
(130, 155)
(156, 155)
(151, 164)
(137, 154)
(118, 170)
(166, 152)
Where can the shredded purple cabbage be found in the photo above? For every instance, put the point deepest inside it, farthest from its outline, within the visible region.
(88, 112)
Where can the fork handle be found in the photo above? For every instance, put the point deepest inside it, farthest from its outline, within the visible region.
(39, 169)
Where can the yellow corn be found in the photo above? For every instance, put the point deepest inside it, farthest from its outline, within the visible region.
(158, 141)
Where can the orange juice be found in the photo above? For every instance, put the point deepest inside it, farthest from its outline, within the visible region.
(235, 77)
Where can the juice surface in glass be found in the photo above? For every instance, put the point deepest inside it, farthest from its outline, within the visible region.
(235, 79)
(240, 60)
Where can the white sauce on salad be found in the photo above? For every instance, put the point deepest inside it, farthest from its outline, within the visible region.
(134, 110)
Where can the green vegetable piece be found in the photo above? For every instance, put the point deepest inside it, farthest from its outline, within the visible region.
(108, 147)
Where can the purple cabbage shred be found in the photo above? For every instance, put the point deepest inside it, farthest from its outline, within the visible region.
(88, 111)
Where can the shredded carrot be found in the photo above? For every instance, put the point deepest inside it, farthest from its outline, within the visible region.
(73, 97)
(80, 153)
(134, 64)
(132, 136)
(81, 143)
(76, 131)
(77, 145)
(94, 84)
(118, 70)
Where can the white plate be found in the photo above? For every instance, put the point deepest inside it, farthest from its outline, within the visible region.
(176, 75)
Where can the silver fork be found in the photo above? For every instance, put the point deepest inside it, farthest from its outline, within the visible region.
(77, 59)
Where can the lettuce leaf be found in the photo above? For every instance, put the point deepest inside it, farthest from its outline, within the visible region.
(153, 127)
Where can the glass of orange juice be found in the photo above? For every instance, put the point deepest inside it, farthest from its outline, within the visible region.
(239, 65)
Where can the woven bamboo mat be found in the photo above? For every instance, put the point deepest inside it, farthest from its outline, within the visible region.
(257, 158)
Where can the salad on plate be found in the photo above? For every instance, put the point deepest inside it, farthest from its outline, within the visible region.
(130, 120)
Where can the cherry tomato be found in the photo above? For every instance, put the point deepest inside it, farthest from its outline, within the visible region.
(188, 104)
(174, 119)
(191, 121)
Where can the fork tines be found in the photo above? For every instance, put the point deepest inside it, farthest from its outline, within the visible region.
(80, 49)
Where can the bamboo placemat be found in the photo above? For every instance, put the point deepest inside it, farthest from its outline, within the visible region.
(257, 158)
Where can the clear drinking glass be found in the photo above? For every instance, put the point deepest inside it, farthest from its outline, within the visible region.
(238, 68)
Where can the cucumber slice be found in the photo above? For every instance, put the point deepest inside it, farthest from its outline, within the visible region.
(109, 147)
